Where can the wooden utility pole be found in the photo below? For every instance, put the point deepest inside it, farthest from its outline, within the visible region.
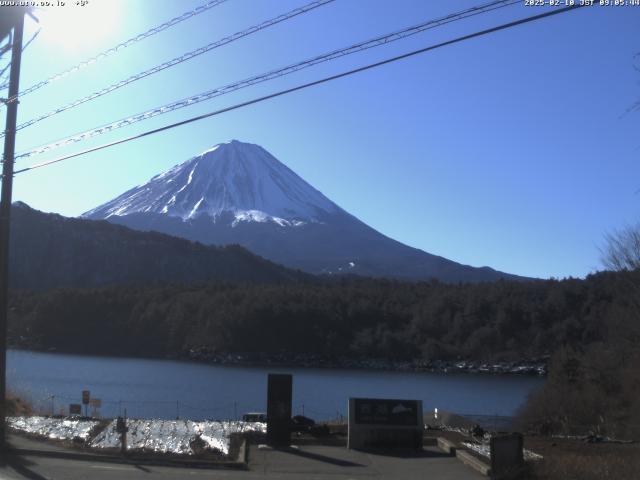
(5, 209)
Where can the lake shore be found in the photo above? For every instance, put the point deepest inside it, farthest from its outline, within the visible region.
(536, 366)
(533, 366)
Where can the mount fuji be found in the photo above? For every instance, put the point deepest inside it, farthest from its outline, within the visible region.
(238, 193)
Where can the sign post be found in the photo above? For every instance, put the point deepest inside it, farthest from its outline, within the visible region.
(86, 397)
(122, 429)
(95, 403)
(279, 395)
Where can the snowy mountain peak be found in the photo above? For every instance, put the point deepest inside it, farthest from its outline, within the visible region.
(232, 177)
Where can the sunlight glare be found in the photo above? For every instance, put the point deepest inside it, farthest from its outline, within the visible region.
(75, 25)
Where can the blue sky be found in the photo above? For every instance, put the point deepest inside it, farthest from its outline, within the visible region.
(510, 150)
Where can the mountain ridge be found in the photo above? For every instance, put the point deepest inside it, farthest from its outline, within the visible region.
(238, 192)
(52, 251)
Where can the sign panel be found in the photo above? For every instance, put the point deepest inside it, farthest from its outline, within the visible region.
(385, 423)
(95, 402)
(75, 409)
(86, 395)
(377, 411)
(279, 395)
(506, 454)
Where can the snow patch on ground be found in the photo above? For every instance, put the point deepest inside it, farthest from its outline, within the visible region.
(485, 450)
(174, 436)
(152, 435)
(53, 428)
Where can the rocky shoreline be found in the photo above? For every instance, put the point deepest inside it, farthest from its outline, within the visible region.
(530, 366)
(535, 366)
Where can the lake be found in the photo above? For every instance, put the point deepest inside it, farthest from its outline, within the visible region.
(169, 389)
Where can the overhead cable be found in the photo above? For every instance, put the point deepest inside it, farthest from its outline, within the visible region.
(24, 47)
(121, 46)
(178, 60)
(470, 36)
(280, 72)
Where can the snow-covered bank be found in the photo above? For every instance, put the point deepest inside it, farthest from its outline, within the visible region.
(485, 450)
(54, 428)
(181, 437)
(175, 436)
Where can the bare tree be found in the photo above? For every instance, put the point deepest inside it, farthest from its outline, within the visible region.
(622, 249)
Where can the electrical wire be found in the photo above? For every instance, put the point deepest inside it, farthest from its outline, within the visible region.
(6, 67)
(7, 47)
(178, 60)
(270, 75)
(370, 66)
(33, 37)
(120, 46)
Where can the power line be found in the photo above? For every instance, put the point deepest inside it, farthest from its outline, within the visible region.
(7, 46)
(24, 47)
(120, 46)
(178, 60)
(270, 75)
(33, 37)
(3, 76)
(503, 26)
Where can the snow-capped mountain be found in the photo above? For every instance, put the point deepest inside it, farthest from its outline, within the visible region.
(239, 193)
(234, 177)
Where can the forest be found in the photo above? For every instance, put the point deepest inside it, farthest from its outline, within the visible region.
(356, 318)
(588, 329)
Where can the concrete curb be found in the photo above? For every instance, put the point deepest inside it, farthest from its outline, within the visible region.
(329, 442)
(429, 442)
(464, 456)
(473, 462)
(133, 459)
(447, 446)
(243, 453)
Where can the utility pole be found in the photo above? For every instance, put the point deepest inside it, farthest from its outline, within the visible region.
(5, 210)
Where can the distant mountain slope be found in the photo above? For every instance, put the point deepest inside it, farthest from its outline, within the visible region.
(239, 193)
(48, 250)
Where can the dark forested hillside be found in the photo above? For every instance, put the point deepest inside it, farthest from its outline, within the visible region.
(49, 251)
(348, 318)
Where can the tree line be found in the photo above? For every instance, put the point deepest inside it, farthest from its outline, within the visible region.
(590, 329)
(355, 318)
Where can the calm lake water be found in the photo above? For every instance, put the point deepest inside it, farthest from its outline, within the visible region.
(166, 389)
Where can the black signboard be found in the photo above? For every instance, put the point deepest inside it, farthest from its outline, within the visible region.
(506, 454)
(279, 394)
(374, 411)
(86, 395)
(75, 409)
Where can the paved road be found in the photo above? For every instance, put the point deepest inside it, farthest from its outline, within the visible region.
(308, 462)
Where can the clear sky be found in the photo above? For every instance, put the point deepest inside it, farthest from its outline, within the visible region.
(510, 150)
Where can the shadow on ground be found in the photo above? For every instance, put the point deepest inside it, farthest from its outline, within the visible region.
(20, 465)
(319, 457)
(381, 452)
